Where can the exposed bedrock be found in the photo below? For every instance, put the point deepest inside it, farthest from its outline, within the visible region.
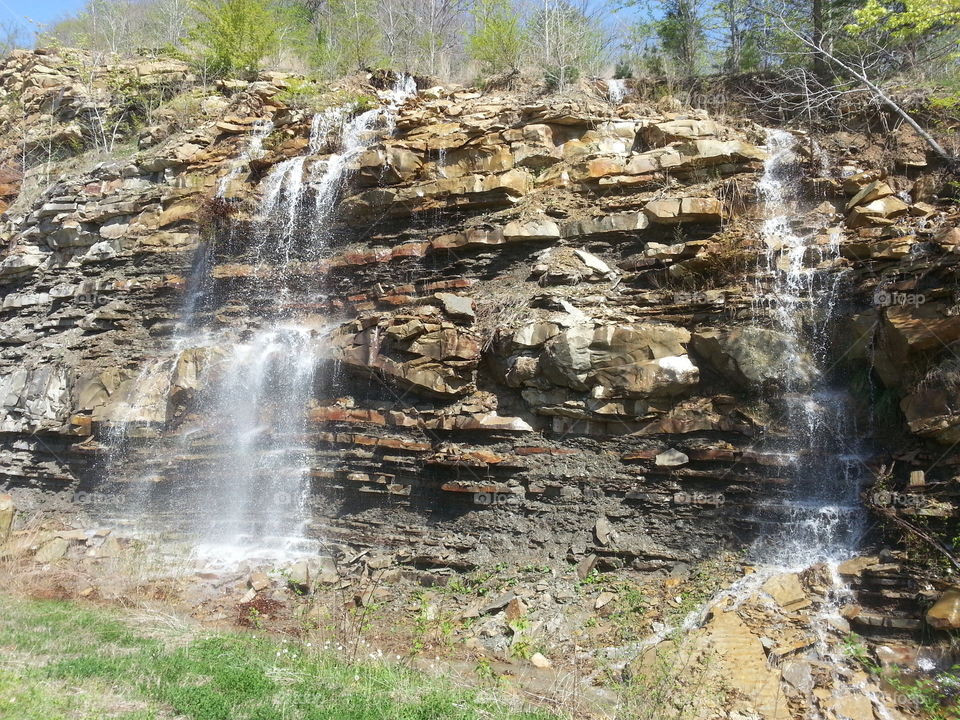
(533, 318)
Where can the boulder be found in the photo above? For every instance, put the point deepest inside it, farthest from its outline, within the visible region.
(753, 357)
(444, 359)
(459, 307)
(607, 225)
(945, 613)
(258, 581)
(878, 212)
(542, 229)
(673, 211)
(868, 193)
(630, 361)
(664, 133)
(787, 591)
(52, 550)
(853, 184)
(304, 575)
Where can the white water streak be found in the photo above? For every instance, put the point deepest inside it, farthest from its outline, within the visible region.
(252, 151)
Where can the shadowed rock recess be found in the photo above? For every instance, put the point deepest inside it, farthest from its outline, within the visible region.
(527, 328)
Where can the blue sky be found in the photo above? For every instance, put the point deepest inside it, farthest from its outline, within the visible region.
(42, 11)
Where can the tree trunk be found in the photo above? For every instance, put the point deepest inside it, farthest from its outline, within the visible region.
(820, 68)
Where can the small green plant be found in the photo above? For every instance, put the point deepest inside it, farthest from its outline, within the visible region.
(521, 649)
(622, 71)
(935, 698)
(498, 38)
(233, 36)
(855, 649)
(484, 670)
(559, 77)
(302, 94)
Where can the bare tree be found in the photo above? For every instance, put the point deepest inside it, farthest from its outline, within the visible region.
(863, 69)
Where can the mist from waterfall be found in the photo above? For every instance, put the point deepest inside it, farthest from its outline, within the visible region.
(239, 483)
(819, 517)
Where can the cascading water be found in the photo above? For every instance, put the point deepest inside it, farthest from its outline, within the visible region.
(616, 90)
(818, 518)
(239, 481)
(252, 151)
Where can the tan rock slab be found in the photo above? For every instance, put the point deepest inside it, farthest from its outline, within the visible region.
(745, 666)
(787, 591)
(945, 613)
(52, 550)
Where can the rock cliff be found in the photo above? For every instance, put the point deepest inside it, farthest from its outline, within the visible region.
(543, 323)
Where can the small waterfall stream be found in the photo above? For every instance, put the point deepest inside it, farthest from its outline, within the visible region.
(239, 483)
(818, 518)
(252, 151)
(616, 90)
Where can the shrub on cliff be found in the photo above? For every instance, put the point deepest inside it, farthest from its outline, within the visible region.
(498, 37)
(233, 36)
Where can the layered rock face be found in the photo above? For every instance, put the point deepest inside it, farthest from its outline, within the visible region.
(539, 324)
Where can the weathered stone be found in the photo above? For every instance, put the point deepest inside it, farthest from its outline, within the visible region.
(603, 599)
(586, 566)
(852, 706)
(787, 591)
(7, 513)
(498, 603)
(878, 211)
(750, 357)
(682, 210)
(666, 132)
(515, 609)
(602, 530)
(798, 674)
(52, 550)
(868, 193)
(671, 458)
(456, 306)
(539, 661)
(945, 613)
(258, 581)
(531, 230)
(304, 575)
(745, 667)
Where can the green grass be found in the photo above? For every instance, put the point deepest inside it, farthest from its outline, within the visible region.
(60, 660)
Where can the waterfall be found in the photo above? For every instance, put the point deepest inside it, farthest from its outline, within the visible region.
(284, 217)
(818, 518)
(239, 479)
(252, 151)
(616, 90)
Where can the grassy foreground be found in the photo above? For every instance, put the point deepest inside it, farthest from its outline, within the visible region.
(61, 660)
